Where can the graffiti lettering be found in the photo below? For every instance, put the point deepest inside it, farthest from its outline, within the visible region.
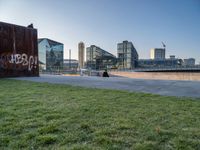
(18, 59)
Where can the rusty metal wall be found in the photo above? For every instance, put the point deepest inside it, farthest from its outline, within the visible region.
(18, 51)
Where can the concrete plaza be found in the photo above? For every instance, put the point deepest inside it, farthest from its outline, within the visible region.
(161, 87)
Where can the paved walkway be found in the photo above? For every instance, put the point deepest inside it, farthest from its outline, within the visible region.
(161, 87)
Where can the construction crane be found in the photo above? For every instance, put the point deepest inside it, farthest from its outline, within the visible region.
(164, 45)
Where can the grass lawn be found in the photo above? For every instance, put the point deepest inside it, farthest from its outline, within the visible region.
(52, 116)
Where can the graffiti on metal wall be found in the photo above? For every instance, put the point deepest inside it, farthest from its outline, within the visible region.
(18, 51)
(22, 61)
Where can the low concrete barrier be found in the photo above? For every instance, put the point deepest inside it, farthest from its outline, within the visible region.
(194, 76)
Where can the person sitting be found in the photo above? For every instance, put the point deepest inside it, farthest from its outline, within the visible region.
(105, 74)
(30, 25)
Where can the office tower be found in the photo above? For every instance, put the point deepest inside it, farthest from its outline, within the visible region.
(127, 55)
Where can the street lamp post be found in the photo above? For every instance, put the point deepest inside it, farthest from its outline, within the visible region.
(69, 59)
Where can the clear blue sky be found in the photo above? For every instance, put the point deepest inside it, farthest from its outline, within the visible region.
(106, 22)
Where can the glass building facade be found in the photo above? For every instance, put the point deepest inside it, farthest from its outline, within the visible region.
(159, 63)
(50, 54)
(98, 58)
(189, 62)
(127, 55)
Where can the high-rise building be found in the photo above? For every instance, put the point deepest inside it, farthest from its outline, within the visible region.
(81, 54)
(157, 53)
(98, 58)
(127, 55)
(50, 54)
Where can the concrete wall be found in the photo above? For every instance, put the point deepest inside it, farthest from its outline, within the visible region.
(160, 75)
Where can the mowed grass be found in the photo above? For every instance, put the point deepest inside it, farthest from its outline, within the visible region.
(52, 116)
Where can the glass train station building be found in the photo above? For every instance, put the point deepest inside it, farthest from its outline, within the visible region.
(99, 59)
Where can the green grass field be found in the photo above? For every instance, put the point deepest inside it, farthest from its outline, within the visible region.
(51, 116)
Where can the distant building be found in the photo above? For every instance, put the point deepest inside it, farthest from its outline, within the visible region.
(127, 55)
(98, 58)
(50, 54)
(189, 62)
(172, 57)
(70, 64)
(81, 54)
(159, 63)
(157, 53)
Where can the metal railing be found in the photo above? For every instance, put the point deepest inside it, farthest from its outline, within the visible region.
(174, 68)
